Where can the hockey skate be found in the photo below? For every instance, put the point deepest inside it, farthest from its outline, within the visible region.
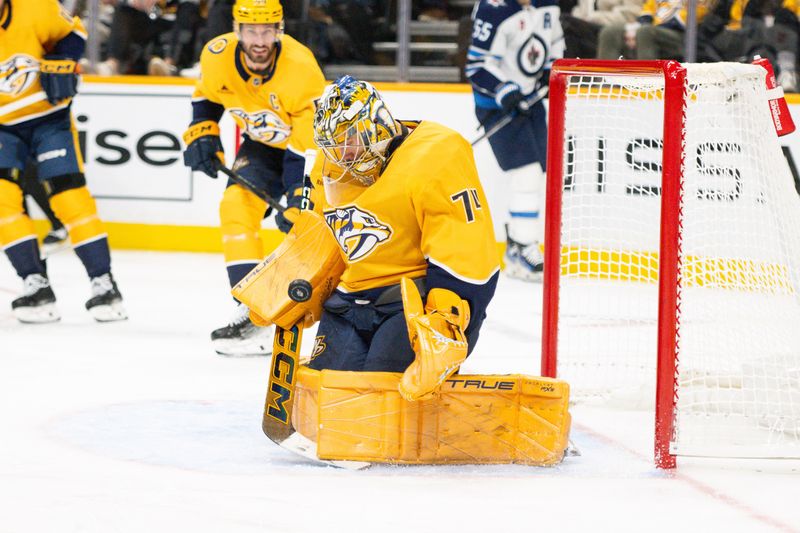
(105, 305)
(37, 305)
(523, 261)
(55, 241)
(241, 337)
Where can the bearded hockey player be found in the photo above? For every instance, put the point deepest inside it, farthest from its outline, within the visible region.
(40, 44)
(514, 44)
(268, 82)
(403, 201)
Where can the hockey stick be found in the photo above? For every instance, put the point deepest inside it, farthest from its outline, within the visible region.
(524, 106)
(279, 406)
(244, 182)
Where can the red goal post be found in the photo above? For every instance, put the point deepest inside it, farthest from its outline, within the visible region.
(619, 145)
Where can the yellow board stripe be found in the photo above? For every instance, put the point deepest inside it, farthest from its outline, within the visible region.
(719, 272)
(382, 86)
(157, 237)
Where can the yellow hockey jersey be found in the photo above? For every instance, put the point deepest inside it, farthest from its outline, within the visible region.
(277, 109)
(30, 29)
(672, 12)
(427, 206)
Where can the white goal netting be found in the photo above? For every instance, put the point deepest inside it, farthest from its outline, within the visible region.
(738, 299)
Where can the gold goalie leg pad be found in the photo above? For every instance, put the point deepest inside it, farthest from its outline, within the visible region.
(309, 253)
(476, 419)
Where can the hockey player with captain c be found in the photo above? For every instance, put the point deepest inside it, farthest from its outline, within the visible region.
(268, 82)
(514, 44)
(40, 44)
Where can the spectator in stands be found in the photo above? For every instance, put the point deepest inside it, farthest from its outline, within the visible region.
(583, 20)
(432, 10)
(145, 30)
(178, 42)
(771, 28)
(658, 33)
(343, 30)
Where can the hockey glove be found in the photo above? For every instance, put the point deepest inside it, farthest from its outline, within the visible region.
(294, 203)
(509, 97)
(203, 148)
(437, 337)
(58, 78)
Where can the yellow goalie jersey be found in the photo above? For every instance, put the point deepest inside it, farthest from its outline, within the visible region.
(426, 215)
(276, 109)
(29, 30)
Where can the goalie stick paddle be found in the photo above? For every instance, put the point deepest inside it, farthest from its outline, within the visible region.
(525, 105)
(278, 408)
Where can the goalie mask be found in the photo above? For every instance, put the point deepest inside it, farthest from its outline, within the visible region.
(353, 128)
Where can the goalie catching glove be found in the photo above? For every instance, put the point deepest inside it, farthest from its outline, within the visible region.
(58, 78)
(204, 150)
(437, 338)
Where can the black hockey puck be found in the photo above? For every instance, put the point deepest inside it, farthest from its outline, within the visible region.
(300, 290)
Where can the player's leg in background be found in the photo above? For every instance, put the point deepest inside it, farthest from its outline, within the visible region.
(57, 238)
(18, 237)
(520, 149)
(658, 42)
(241, 213)
(611, 42)
(60, 168)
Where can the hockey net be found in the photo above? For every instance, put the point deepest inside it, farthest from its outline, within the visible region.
(672, 263)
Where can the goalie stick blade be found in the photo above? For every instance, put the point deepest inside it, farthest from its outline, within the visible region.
(304, 446)
(279, 405)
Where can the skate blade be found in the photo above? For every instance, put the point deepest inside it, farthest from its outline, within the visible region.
(519, 272)
(42, 314)
(109, 313)
(230, 348)
(242, 348)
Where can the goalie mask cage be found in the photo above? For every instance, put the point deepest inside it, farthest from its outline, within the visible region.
(672, 253)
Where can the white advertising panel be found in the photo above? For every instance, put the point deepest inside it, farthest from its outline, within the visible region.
(131, 136)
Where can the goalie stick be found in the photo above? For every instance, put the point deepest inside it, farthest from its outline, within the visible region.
(277, 422)
(525, 105)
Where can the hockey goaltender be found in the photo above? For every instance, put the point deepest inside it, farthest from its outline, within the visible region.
(398, 211)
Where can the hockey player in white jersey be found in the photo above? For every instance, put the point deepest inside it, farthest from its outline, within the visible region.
(514, 44)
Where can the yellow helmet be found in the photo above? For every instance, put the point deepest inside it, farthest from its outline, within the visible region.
(353, 127)
(258, 12)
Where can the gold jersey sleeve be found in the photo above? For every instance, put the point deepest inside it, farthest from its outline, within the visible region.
(427, 205)
(664, 11)
(29, 30)
(276, 109)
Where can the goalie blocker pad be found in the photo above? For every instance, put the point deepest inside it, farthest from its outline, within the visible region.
(309, 252)
(476, 419)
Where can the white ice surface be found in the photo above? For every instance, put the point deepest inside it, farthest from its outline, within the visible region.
(140, 427)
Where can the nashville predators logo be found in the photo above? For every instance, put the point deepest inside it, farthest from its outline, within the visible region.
(357, 232)
(319, 346)
(18, 74)
(263, 126)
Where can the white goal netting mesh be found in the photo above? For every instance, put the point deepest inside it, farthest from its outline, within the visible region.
(739, 299)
